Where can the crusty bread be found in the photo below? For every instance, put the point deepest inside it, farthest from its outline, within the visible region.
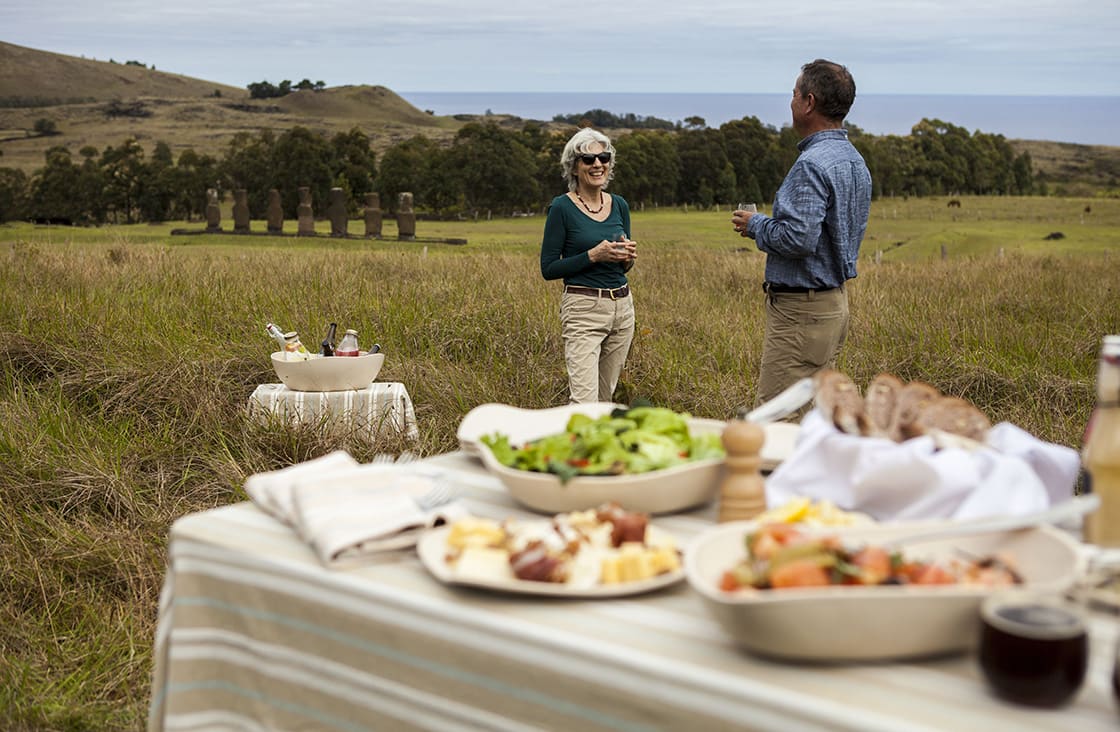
(839, 399)
(954, 415)
(913, 399)
(879, 401)
(896, 410)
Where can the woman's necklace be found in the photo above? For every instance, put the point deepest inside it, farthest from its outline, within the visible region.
(589, 209)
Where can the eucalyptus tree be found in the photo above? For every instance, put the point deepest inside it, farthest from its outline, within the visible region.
(704, 167)
(248, 163)
(124, 170)
(355, 165)
(13, 194)
(56, 189)
(407, 166)
(192, 176)
(157, 186)
(303, 158)
(496, 169)
(648, 170)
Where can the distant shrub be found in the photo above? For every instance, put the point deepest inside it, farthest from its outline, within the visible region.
(45, 127)
(603, 118)
(117, 108)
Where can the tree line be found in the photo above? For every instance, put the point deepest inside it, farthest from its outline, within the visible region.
(487, 169)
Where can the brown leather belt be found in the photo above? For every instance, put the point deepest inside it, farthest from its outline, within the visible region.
(615, 294)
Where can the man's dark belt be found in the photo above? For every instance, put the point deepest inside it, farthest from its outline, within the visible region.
(775, 287)
(615, 294)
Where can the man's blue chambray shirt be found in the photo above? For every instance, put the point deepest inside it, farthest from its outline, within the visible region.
(820, 215)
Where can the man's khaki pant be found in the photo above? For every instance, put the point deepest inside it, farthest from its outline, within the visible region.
(804, 333)
(597, 332)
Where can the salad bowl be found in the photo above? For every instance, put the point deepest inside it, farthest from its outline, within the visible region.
(879, 622)
(668, 490)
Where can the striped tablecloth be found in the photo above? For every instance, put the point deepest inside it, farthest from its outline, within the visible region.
(383, 405)
(255, 634)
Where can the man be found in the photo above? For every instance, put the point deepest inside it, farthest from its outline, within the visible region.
(812, 239)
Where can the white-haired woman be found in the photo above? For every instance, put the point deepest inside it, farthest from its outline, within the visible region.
(587, 244)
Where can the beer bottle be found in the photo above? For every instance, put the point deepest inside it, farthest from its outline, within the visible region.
(326, 348)
(1101, 456)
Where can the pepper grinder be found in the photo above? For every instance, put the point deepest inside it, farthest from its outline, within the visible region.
(743, 492)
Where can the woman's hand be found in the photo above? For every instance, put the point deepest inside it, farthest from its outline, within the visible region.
(624, 251)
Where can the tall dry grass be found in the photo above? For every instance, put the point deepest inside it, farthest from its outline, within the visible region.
(127, 358)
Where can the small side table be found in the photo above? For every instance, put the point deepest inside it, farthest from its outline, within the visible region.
(381, 406)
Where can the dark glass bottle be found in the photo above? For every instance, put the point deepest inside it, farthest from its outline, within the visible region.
(326, 348)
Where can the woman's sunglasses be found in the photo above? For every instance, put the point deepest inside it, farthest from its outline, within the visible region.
(589, 159)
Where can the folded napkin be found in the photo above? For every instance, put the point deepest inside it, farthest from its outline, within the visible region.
(272, 491)
(924, 478)
(348, 511)
(347, 517)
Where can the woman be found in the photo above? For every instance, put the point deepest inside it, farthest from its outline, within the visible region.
(587, 244)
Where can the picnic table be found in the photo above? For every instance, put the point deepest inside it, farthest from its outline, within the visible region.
(255, 633)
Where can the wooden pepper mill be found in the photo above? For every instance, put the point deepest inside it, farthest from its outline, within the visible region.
(743, 492)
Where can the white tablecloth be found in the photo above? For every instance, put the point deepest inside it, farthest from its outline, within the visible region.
(255, 634)
(380, 406)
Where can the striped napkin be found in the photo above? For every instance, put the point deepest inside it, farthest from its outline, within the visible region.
(348, 513)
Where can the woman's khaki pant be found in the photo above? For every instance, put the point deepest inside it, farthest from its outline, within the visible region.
(597, 332)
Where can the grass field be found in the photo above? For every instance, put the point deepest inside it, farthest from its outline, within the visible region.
(127, 357)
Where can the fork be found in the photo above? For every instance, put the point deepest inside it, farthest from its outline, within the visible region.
(386, 458)
(440, 494)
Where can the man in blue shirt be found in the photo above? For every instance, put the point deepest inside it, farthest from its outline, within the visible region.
(813, 236)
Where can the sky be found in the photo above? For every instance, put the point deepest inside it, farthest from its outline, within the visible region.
(975, 47)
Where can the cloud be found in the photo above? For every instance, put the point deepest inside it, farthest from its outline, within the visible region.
(892, 46)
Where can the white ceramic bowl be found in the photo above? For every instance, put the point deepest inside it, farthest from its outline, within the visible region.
(337, 373)
(661, 491)
(871, 623)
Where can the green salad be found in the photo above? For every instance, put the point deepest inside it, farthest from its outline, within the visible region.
(626, 441)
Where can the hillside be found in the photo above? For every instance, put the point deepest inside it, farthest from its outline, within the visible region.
(99, 104)
(41, 78)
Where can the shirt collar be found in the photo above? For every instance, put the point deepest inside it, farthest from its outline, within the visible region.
(837, 134)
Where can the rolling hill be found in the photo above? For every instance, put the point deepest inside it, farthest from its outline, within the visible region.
(100, 103)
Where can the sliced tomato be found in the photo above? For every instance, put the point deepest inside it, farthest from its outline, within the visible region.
(874, 564)
(728, 582)
(799, 573)
(933, 574)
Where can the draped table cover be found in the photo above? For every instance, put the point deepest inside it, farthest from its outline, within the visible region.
(381, 406)
(254, 633)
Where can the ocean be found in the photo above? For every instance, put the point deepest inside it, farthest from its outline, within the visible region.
(1083, 120)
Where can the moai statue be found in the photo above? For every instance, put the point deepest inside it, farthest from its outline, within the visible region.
(337, 212)
(213, 213)
(406, 219)
(373, 215)
(241, 211)
(275, 212)
(306, 217)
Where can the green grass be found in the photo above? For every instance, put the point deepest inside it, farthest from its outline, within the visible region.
(127, 357)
